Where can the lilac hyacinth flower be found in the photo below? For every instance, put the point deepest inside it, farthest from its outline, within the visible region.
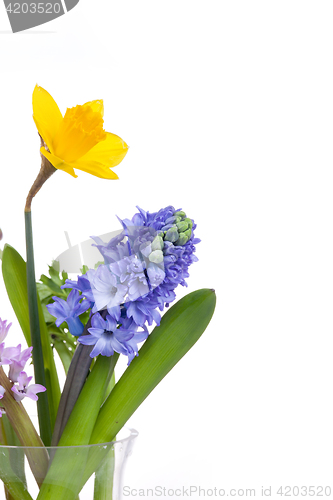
(18, 363)
(107, 292)
(131, 273)
(108, 338)
(23, 389)
(7, 353)
(69, 311)
(4, 329)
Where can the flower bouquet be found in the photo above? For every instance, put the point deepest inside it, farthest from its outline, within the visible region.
(90, 321)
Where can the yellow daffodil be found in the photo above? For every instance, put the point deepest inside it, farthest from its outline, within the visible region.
(77, 140)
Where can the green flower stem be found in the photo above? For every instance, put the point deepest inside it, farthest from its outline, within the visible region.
(16, 455)
(37, 353)
(25, 431)
(65, 474)
(103, 486)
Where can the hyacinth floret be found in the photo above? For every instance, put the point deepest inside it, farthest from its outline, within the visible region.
(143, 265)
(17, 359)
(22, 389)
(107, 336)
(18, 362)
(69, 311)
(4, 328)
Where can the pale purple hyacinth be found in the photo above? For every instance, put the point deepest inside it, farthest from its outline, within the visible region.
(7, 353)
(131, 273)
(23, 389)
(4, 329)
(107, 292)
(18, 363)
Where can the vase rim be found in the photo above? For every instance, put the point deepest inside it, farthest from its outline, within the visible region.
(132, 435)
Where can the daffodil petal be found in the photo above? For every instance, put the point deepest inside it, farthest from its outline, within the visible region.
(46, 115)
(94, 168)
(109, 152)
(97, 106)
(57, 162)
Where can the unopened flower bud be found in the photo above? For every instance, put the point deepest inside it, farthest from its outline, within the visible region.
(1, 235)
(182, 239)
(182, 226)
(156, 256)
(189, 222)
(172, 234)
(157, 243)
(180, 213)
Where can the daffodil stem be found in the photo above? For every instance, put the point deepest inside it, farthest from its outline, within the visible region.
(37, 353)
(46, 170)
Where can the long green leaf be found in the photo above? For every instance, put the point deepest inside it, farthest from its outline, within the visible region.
(14, 272)
(15, 278)
(103, 486)
(179, 330)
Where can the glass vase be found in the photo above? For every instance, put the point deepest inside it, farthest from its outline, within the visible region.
(91, 472)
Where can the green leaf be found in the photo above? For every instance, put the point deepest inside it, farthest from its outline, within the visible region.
(14, 273)
(64, 354)
(179, 330)
(15, 278)
(44, 292)
(52, 286)
(55, 275)
(103, 486)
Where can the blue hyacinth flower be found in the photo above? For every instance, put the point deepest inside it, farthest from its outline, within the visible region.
(69, 311)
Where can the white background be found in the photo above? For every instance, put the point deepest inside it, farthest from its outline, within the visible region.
(227, 107)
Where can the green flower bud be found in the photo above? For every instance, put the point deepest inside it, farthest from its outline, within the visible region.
(172, 234)
(180, 213)
(156, 256)
(182, 226)
(189, 222)
(182, 239)
(188, 233)
(157, 243)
